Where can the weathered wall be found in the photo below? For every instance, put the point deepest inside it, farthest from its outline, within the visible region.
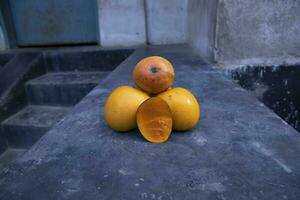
(230, 32)
(258, 32)
(166, 21)
(2, 41)
(121, 22)
(202, 26)
(136, 22)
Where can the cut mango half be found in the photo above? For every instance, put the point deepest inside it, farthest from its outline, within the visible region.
(154, 120)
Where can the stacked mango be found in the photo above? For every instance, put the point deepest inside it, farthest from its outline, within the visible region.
(154, 107)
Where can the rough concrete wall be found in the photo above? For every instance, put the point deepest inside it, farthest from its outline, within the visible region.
(166, 21)
(2, 41)
(2, 38)
(202, 26)
(136, 22)
(121, 22)
(258, 32)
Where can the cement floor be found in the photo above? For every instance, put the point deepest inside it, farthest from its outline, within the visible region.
(240, 149)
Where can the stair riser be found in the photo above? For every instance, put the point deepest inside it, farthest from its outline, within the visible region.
(62, 95)
(23, 137)
(85, 60)
(3, 142)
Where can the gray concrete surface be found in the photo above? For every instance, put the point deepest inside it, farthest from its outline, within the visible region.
(239, 149)
(166, 21)
(202, 15)
(28, 125)
(121, 22)
(19, 69)
(66, 88)
(258, 32)
(91, 59)
(9, 155)
(37, 116)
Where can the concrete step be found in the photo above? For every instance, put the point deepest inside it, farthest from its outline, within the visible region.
(62, 88)
(26, 127)
(10, 155)
(84, 59)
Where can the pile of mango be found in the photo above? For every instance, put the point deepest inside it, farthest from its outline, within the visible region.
(154, 106)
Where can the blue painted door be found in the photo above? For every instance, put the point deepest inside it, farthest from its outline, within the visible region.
(54, 22)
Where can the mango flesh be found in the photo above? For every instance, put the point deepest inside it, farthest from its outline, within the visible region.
(121, 106)
(154, 119)
(184, 107)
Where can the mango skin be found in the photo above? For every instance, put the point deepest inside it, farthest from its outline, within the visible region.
(121, 106)
(184, 107)
(153, 74)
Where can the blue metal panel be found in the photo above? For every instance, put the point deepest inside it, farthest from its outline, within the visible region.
(50, 22)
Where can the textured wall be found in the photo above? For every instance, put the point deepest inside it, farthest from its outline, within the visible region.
(258, 31)
(202, 26)
(166, 21)
(239, 32)
(52, 22)
(121, 22)
(2, 41)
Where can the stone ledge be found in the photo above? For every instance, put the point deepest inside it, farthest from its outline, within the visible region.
(239, 150)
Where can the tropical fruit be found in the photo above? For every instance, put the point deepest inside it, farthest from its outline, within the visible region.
(153, 74)
(154, 120)
(121, 106)
(184, 107)
(155, 107)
